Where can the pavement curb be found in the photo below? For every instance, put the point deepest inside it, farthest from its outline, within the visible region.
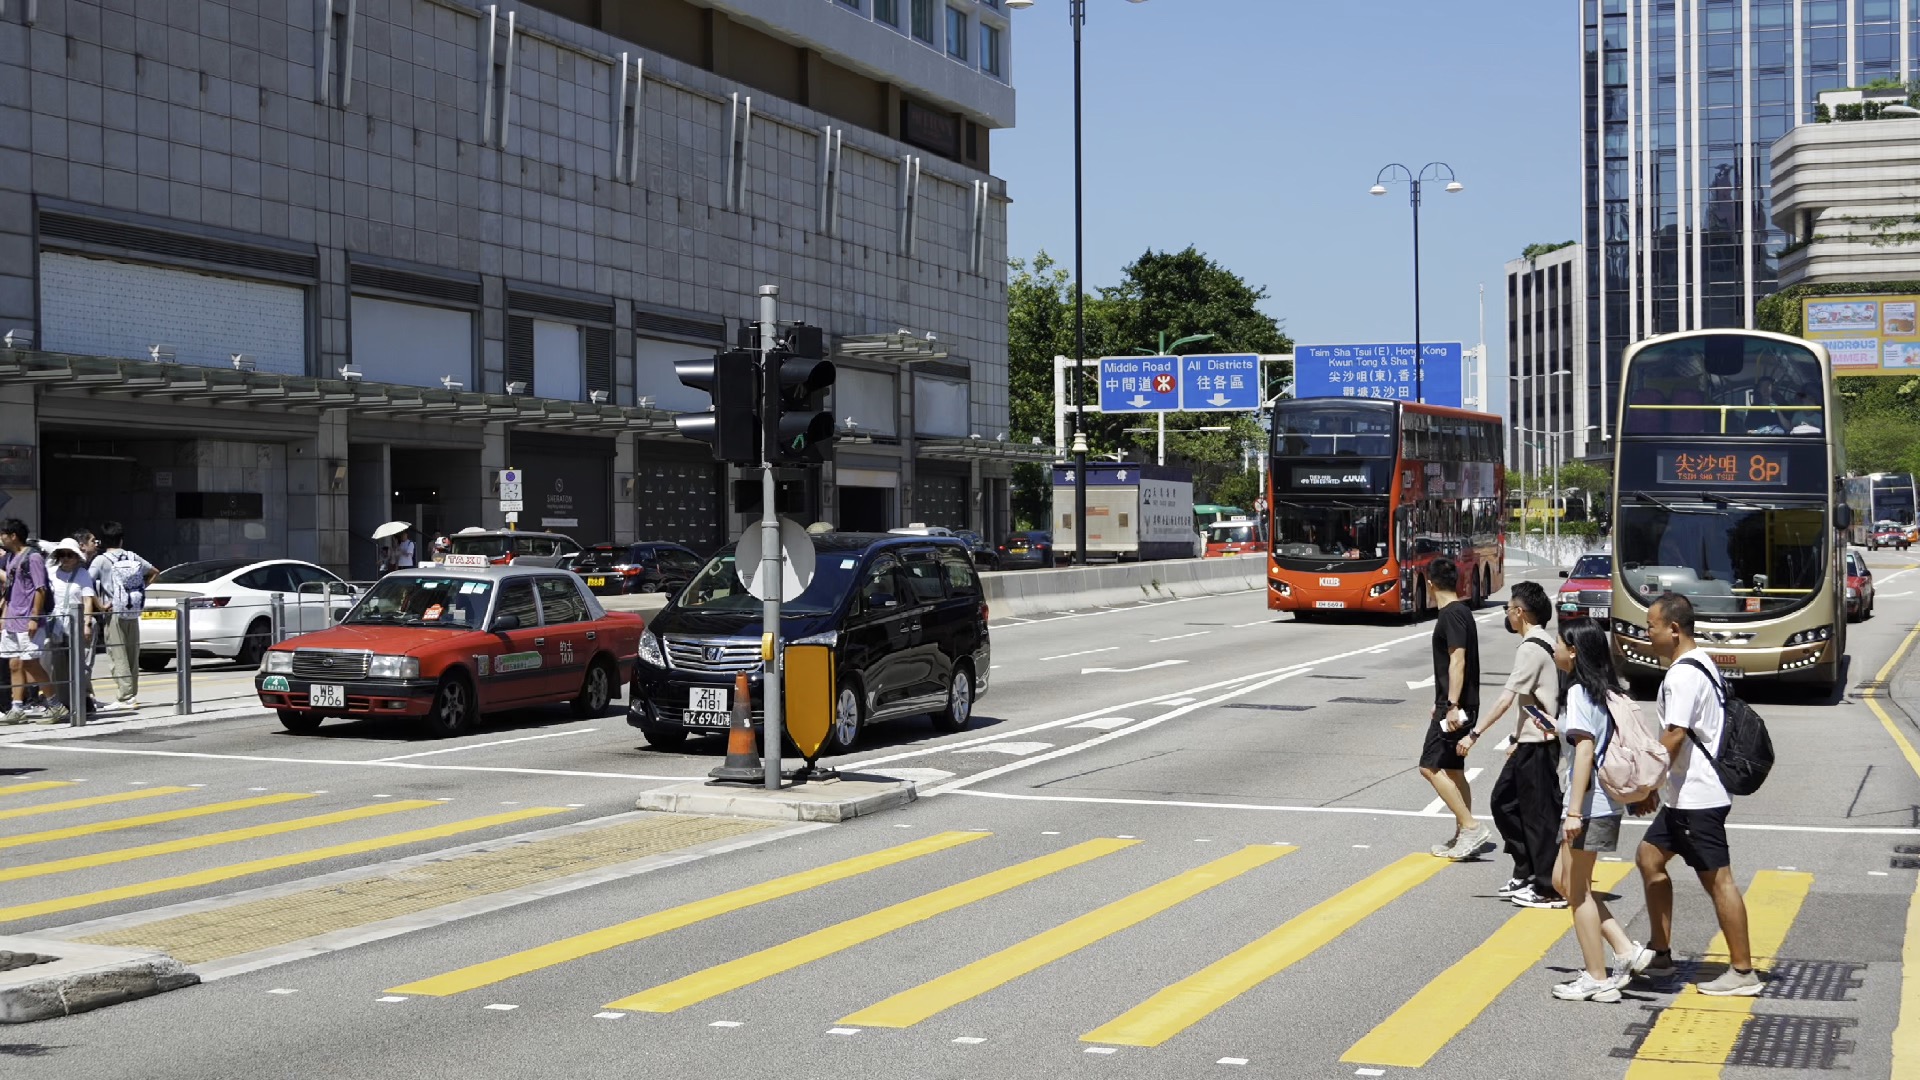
(112, 724)
(41, 979)
(850, 796)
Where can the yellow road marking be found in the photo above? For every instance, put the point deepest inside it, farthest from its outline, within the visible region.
(37, 785)
(117, 824)
(82, 804)
(275, 862)
(573, 948)
(1906, 1036)
(1692, 1037)
(1899, 738)
(1444, 1007)
(190, 843)
(734, 974)
(909, 1007)
(1187, 1002)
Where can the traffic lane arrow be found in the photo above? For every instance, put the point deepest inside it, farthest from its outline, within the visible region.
(1129, 670)
(1139, 402)
(1218, 400)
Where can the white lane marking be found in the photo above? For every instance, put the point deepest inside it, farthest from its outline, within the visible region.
(1892, 595)
(1175, 701)
(1438, 807)
(1363, 847)
(1107, 723)
(843, 1031)
(137, 783)
(920, 776)
(1016, 749)
(1876, 873)
(1129, 670)
(1257, 622)
(282, 990)
(1369, 1072)
(500, 1008)
(333, 761)
(725, 1024)
(609, 1016)
(969, 1040)
(1231, 1061)
(1065, 615)
(1420, 685)
(1083, 652)
(1178, 637)
(1373, 811)
(390, 998)
(1097, 740)
(484, 745)
(1100, 1050)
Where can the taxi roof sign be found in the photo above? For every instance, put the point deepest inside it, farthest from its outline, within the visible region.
(465, 560)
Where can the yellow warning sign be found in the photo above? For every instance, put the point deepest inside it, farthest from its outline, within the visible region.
(810, 695)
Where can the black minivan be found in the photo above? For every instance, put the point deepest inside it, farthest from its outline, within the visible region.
(905, 614)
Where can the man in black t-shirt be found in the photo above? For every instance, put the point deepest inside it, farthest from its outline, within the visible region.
(1456, 708)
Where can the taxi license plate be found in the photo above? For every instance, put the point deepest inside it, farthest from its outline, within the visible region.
(326, 696)
(157, 613)
(1597, 612)
(1329, 603)
(596, 582)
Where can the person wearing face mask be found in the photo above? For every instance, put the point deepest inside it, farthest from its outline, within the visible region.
(1526, 798)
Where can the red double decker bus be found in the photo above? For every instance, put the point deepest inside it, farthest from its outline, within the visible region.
(1363, 494)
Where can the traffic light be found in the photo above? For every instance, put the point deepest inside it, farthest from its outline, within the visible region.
(732, 426)
(797, 370)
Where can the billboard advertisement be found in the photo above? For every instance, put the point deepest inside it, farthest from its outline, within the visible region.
(1867, 335)
(1379, 371)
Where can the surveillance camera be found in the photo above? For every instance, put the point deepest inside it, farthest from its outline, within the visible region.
(18, 339)
(516, 387)
(243, 362)
(598, 397)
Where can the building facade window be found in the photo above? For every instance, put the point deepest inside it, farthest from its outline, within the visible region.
(990, 50)
(854, 4)
(887, 11)
(923, 20)
(956, 33)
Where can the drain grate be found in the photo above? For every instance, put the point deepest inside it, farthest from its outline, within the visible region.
(1871, 684)
(1904, 862)
(1369, 700)
(1777, 1041)
(1269, 708)
(1813, 980)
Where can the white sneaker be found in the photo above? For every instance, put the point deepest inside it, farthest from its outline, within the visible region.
(1531, 897)
(18, 715)
(1512, 886)
(1587, 988)
(1733, 983)
(1621, 972)
(1440, 850)
(1469, 843)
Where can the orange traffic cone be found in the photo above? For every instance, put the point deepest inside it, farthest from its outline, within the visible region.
(743, 760)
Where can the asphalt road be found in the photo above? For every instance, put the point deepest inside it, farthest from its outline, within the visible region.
(1054, 918)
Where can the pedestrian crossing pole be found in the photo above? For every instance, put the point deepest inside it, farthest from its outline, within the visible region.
(770, 553)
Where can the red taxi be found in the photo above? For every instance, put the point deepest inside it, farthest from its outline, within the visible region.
(1234, 536)
(1588, 590)
(451, 642)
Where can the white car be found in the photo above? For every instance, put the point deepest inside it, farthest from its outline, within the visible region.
(230, 607)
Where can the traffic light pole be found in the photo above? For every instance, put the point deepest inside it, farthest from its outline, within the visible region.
(771, 676)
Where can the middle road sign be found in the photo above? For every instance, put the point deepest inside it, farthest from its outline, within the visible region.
(1139, 384)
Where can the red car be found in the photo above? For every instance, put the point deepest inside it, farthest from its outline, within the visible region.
(1235, 536)
(1859, 587)
(1588, 591)
(449, 643)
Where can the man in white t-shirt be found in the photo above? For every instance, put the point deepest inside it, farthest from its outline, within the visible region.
(1693, 823)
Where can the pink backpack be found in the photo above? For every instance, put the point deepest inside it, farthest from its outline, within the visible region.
(1629, 762)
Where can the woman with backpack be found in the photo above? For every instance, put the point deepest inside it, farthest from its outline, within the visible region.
(1591, 823)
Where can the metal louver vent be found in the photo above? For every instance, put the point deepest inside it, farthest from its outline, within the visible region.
(679, 326)
(423, 285)
(599, 345)
(58, 226)
(579, 311)
(520, 349)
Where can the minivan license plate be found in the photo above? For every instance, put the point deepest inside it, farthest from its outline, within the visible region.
(706, 699)
(327, 696)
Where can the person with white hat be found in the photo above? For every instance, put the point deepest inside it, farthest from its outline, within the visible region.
(70, 582)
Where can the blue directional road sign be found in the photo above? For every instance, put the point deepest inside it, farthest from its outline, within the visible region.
(1133, 384)
(1379, 371)
(1219, 382)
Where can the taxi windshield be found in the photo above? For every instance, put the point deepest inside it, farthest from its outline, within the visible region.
(416, 600)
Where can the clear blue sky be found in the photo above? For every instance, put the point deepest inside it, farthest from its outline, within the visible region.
(1252, 129)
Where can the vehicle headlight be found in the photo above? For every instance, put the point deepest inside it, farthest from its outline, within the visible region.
(1382, 589)
(1279, 586)
(829, 638)
(393, 667)
(1627, 629)
(650, 650)
(277, 663)
(1811, 637)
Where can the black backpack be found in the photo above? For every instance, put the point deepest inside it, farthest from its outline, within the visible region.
(1746, 751)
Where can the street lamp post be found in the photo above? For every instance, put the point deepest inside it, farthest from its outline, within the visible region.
(1161, 457)
(1077, 15)
(1432, 171)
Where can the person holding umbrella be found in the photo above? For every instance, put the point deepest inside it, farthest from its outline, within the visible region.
(398, 552)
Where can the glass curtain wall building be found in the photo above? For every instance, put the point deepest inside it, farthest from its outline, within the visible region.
(1681, 100)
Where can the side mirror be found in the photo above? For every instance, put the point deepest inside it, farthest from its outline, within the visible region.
(340, 614)
(880, 601)
(505, 621)
(1563, 573)
(1843, 516)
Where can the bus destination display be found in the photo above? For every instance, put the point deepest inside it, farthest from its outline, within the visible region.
(1332, 478)
(1721, 467)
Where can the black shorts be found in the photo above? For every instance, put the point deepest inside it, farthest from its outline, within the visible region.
(1698, 836)
(1440, 751)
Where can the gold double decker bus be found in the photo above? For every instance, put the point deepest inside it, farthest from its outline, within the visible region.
(1729, 489)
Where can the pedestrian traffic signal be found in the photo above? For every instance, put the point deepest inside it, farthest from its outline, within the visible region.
(732, 426)
(797, 430)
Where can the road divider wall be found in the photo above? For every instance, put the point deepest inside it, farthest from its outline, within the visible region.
(1043, 592)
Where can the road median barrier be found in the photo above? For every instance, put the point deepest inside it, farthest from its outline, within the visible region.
(42, 979)
(1025, 593)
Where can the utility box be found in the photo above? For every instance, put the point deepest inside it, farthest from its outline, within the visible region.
(1133, 512)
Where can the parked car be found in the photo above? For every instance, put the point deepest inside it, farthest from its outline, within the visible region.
(448, 644)
(505, 547)
(646, 567)
(230, 607)
(1889, 534)
(984, 555)
(1587, 592)
(1859, 587)
(906, 614)
(1025, 550)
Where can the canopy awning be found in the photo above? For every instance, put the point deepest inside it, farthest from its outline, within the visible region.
(896, 348)
(980, 449)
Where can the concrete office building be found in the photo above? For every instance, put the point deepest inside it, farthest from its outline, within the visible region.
(290, 270)
(1548, 393)
(1845, 193)
(1681, 100)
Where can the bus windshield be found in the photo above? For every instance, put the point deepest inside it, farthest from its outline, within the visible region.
(1729, 560)
(1725, 384)
(1334, 429)
(1340, 529)
(1893, 501)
